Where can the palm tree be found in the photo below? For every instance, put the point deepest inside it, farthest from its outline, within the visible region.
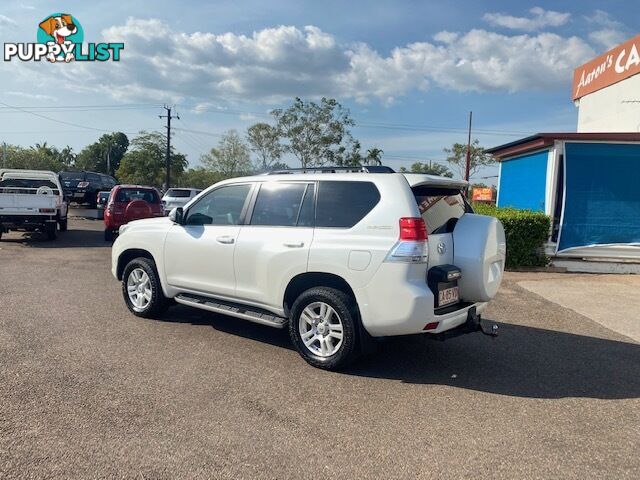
(374, 156)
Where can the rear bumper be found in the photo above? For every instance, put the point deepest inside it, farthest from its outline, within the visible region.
(473, 324)
(398, 301)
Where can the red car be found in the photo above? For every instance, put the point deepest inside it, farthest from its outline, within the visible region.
(127, 203)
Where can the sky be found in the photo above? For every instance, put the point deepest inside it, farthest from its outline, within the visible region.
(408, 71)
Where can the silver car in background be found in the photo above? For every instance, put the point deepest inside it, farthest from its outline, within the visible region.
(178, 197)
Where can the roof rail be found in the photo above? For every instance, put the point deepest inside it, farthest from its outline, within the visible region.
(352, 169)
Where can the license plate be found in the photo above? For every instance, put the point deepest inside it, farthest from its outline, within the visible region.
(78, 195)
(448, 296)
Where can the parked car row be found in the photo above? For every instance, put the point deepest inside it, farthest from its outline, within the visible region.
(37, 200)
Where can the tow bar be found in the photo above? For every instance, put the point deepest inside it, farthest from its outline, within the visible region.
(473, 324)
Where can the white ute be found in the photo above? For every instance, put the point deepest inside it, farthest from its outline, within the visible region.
(32, 200)
(335, 255)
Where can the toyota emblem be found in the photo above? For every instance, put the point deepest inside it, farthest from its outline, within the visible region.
(442, 248)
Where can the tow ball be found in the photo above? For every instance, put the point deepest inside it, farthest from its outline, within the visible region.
(476, 323)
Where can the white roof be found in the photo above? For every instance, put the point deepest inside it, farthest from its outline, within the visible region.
(412, 178)
(18, 173)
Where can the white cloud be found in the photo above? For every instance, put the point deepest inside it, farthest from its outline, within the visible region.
(607, 37)
(163, 65)
(609, 32)
(6, 21)
(539, 19)
(31, 96)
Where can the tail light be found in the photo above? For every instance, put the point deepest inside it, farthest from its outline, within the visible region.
(83, 184)
(412, 244)
(413, 228)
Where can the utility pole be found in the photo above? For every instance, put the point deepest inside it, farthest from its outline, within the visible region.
(466, 175)
(109, 160)
(4, 154)
(168, 157)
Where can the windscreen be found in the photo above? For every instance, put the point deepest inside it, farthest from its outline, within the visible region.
(28, 185)
(440, 207)
(127, 195)
(178, 193)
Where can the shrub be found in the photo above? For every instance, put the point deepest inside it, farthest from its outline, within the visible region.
(526, 232)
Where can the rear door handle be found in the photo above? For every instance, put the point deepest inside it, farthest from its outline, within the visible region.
(294, 244)
(226, 239)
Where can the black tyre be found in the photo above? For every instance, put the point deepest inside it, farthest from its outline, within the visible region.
(108, 235)
(62, 225)
(50, 230)
(323, 327)
(141, 289)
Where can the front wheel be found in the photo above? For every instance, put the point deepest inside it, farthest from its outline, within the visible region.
(323, 327)
(142, 290)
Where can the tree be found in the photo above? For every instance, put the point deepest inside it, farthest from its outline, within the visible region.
(264, 141)
(314, 132)
(429, 168)
(145, 162)
(104, 155)
(457, 155)
(231, 158)
(374, 156)
(67, 158)
(37, 157)
(199, 177)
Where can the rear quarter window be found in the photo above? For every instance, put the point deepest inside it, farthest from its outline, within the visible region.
(440, 207)
(344, 204)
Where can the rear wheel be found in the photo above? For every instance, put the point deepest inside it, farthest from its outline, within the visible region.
(50, 230)
(108, 235)
(62, 224)
(141, 289)
(323, 327)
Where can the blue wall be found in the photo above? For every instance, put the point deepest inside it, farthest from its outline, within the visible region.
(602, 203)
(523, 181)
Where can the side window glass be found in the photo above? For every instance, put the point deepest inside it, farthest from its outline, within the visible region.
(278, 204)
(306, 218)
(222, 206)
(343, 204)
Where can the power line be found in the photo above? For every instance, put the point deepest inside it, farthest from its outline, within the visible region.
(56, 120)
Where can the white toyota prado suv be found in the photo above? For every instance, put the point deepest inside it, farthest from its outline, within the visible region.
(336, 255)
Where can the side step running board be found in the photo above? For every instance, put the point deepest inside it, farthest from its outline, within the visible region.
(245, 312)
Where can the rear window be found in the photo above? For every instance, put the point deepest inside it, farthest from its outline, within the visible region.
(126, 195)
(440, 207)
(343, 204)
(178, 193)
(27, 186)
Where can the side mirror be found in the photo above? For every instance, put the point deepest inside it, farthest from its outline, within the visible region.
(176, 214)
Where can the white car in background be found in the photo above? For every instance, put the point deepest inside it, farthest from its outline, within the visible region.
(335, 256)
(178, 197)
(32, 200)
